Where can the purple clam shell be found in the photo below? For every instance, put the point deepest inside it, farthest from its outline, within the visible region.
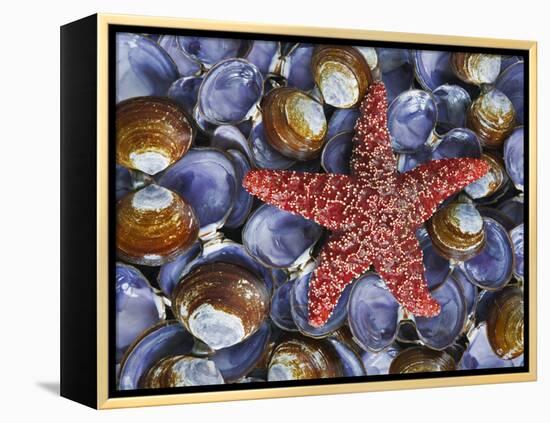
(458, 142)
(378, 362)
(123, 182)
(440, 331)
(185, 92)
(408, 161)
(436, 268)
(337, 153)
(492, 268)
(480, 355)
(210, 51)
(506, 61)
(372, 313)
(453, 103)
(243, 201)
(517, 237)
(165, 339)
(299, 309)
(143, 68)
(513, 209)
(230, 91)
(170, 273)
(433, 69)
(227, 137)
(214, 251)
(263, 54)
(206, 178)
(497, 215)
(264, 155)
(352, 364)
(297, 67)
(510, 82)
(397, 70)
(186, 66)
(513, 157)
(280, 312)
(238, 360)
(411, 120)
(468, 289)
(342, 120)
(278, 238)
(137, 306)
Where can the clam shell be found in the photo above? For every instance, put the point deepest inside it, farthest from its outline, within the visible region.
(458, 142)
(153, 226)
(492, 118)
(181, 370)
(421, 360)
(468, 289)
(296, 67)
(396, 69)
(170, 273)
(513, 157)
(281, 313)
(299, 308)
(436, 268)
(476, 68)
(230, 137)
(243, 201)
(480, 355)
(209, 51)
(303, 358)
(294, 123)
(433, 69)
(378, 363)
(517, 237)
(491, 186)
(185, 92)
(342, 120)
(221, 304)
(505, 323)
(230, 92)
(452, 102)
(237, 361)
(151, 133)
(497, 215)
(441, 331)
(350, 360)
(137, 306)
(337, 154)
(513, 209)
(207, 179)
(264, 155)
(342, 74)
(373, 313)
(143, 68)
(279, 239)
(263, 54)
(511, 83)
(492, 268)
(411, 120)
(165, 339)
(186, 66)
(457, 231)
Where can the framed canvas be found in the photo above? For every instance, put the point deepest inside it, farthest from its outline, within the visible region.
(253, 211)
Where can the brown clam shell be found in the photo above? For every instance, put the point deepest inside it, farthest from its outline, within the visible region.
(341, 69)
(221, 304)
(476, 68)
(294, 122)
(492, 117)
(153, 226)
(457, 231)
(151, 133)
(505, 324)
(179, 370)
(491, 186)
(298, 357)
(420, 359)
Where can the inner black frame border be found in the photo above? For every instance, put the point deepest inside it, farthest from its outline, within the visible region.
(113, 29)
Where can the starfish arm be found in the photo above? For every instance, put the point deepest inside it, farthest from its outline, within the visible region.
(439, 179)
(402, 269)
(324, 198)
(340, 262)
(372, 159)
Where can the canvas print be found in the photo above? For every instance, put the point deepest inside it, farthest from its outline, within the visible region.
(293, 211)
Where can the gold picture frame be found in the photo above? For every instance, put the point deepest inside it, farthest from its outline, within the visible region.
(103, 400)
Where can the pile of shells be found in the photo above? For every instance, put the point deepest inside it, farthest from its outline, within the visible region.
(211, 285)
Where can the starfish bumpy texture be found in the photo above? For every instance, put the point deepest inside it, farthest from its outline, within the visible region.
(373, 213)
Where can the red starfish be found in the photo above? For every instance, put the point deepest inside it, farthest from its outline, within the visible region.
(373, 213)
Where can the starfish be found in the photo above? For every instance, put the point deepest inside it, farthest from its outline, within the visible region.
(372, 214)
